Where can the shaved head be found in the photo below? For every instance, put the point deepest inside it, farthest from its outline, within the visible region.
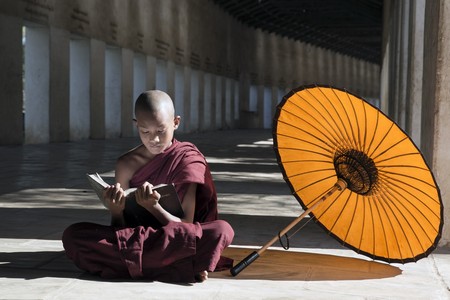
(155, 121)
(154, 102)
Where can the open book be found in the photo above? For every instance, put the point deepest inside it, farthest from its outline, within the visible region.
(169, 198)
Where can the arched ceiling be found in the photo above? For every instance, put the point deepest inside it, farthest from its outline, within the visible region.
(350, 27)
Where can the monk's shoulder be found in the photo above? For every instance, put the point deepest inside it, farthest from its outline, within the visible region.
(188, 147)
(132, 160)
(192, 157)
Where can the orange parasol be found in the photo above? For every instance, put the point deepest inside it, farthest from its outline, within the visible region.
(357, 174)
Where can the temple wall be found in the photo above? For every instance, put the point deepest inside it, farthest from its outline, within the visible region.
(82, 63)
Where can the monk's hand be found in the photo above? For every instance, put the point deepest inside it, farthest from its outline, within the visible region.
(114, 196)
(147, 197)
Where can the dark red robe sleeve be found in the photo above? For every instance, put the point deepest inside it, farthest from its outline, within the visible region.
(182, 164)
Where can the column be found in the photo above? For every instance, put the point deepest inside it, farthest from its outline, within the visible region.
(161, 75)
(170, 79)
(201, 100)
(260, 106)
(140, 81)
(332, 67)
(11, 60)
(97, 88)
(249, 117)
(396, 65)
(235, 101)
(340, 72)
(127, 101)
(224, 103)
(139, 75)
(216, 103)
(207, 99)
(436, 109)
(229, 101)
(37, 87)
(150, 73)
(267, 108)
(345, 73)
(414, 91)
(80, 114)
(275, 98)
(178, 96)
(113, 92)
(186, 118)
(194, 103)
(243, 105)
(299, 62)
(322, 66)
(312, 67)
(59, 85)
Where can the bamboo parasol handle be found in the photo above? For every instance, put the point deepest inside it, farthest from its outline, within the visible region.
(339, 186)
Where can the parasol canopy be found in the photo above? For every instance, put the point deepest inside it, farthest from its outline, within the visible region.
(357, 174)
(391, 208)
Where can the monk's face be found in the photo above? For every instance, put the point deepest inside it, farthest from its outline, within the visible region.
(156, 130)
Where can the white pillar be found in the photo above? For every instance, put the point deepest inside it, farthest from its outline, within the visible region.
(416, 71)
(186, 122)
(218, 102)
(97, 88)
(139, 75)
(236, 100)
(260, 107)
(207, 98)
(37, 76)
(178, 96)
(127, 89)
(150, 73)
(436, 105)
(171, 77)
(113, 92)
(80, 116)
(268, 113)
(228, 103)
(161, 75)
(139, 80)
(253, 99)
(59, 85)
(194, 95)
(201, 100)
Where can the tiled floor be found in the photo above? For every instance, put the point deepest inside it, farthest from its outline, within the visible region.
(43, 190)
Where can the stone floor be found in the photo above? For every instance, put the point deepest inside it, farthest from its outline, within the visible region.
(43, 189)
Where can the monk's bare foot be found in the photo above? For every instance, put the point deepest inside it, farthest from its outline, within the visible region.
(202, 276)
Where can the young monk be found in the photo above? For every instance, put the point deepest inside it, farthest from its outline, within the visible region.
(152, 243)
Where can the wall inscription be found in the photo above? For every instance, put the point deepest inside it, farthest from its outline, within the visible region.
(80, 20)
(194, 61)
(162, 48)
(179, 55)
(38, 10)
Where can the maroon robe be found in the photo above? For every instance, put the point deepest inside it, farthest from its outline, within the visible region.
(181, 164)
(172, 253)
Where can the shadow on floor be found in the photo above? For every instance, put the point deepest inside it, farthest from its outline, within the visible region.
(301, 266)
(272, 265)
(40, 264)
